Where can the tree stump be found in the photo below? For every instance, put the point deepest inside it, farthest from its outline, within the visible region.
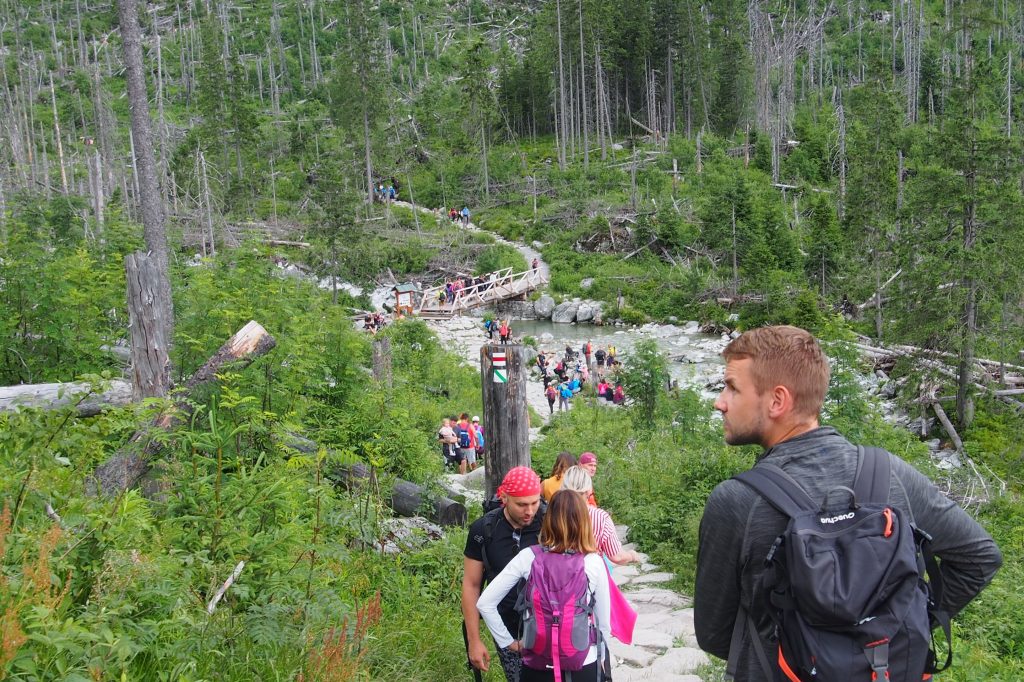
(503, 385)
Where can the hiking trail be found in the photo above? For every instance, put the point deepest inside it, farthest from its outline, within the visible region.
(664, 645)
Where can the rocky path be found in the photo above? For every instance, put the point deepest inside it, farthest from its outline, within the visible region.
(529, 253)
(664, 646)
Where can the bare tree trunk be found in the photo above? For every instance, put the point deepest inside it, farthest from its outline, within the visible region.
(149, 199)
(841, 118)
(583, 96)
(207, 202)
(369, 162)
(60, 143)
(97, 192)
(151, 367)
(561, 90)
(735, 269)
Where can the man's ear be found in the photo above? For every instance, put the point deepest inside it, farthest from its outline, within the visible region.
(780, 402)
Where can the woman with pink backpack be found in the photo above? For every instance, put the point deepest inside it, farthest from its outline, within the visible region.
(564, 604)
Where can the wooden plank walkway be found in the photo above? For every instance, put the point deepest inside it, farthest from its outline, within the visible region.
(504, 286)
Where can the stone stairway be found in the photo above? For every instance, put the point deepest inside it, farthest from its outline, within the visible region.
(664, 646)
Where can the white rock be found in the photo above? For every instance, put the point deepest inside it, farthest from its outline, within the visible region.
(652, 578)
(678, 661)
(586, 283)
(631, 654)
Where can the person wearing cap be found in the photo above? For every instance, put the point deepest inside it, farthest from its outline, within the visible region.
(578, 480)
(493, 541)
(588, 460)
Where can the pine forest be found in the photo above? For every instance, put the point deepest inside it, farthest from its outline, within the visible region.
(206, 460)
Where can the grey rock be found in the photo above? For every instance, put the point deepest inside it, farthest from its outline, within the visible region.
(934, 444)
(630, 654)
(691, 327)
(680, 661)
(564, 313)
(652, 638)
(672, 318)
(652, 578)
(586, 283)
(546, 337)
(537, 245)
(587, 311)
(947, 460)
(543, 307)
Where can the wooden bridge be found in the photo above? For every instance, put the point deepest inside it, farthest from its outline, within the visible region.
(504, 286)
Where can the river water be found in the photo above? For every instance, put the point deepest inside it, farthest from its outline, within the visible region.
(695, 359)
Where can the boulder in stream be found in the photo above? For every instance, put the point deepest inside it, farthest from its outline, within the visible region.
(565, 313)
(543, 307)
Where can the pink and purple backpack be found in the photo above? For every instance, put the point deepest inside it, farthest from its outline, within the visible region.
(557, 611)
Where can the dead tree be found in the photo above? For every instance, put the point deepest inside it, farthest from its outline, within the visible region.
(150, 201)
(128, 467)
(151, 366)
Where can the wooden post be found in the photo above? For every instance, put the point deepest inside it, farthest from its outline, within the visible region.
(382, 361)
(505, 412)
(150, 364)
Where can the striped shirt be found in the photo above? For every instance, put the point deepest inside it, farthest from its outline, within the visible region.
(604, 532)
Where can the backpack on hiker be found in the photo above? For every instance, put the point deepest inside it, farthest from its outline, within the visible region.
(463, 436)
(557, 611)
(846, 583)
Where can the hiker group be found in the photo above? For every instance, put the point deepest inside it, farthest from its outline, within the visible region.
(385, 194)
(455, 285)
(503, 327)
(374, 322)
(457, 216)
(826, 561)
(564, 376)
(553, 540)
(462, 442)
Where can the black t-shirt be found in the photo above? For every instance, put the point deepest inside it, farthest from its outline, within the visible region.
(502, 548)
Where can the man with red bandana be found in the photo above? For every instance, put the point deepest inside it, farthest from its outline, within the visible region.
(494, 540)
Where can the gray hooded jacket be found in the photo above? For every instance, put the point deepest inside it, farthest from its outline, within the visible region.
(739, 527)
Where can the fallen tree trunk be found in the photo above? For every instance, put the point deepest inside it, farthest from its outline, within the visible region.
(77, 393)
(126, 468)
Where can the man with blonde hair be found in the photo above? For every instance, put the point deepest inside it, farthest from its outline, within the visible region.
(775, 384)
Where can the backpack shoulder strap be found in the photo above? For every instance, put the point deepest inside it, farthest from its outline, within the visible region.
(490, 518)
(778, 488)
(873, 473)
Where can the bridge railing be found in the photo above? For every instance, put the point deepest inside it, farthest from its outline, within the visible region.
(506, 284)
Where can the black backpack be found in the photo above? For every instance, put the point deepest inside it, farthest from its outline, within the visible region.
(846, 583)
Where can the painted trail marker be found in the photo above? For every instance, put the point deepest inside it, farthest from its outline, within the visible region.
(500, 376)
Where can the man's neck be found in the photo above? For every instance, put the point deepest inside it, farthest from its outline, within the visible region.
(789, 431)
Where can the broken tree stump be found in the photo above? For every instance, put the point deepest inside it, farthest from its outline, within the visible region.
(126, 468)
